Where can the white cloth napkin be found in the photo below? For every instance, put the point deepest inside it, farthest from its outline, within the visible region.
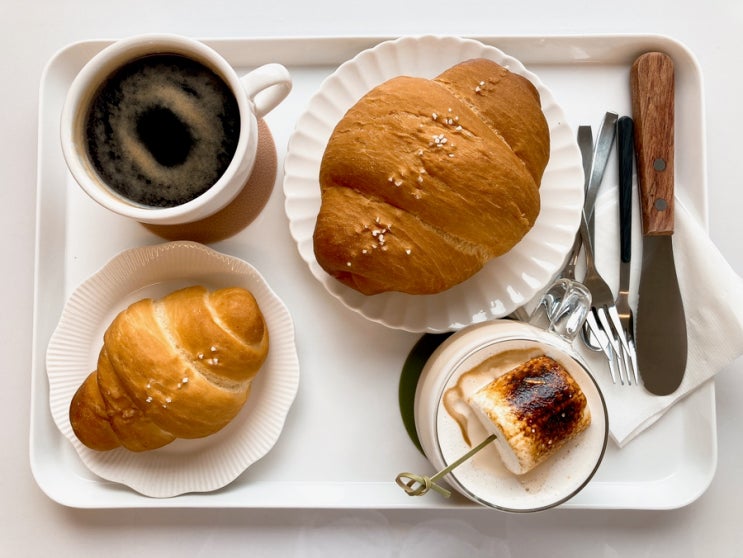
(713, 303)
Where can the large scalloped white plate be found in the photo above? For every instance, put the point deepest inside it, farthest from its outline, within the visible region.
(505, 283)
(184, 465)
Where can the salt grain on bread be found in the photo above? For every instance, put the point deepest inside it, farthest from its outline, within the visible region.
(425, 180)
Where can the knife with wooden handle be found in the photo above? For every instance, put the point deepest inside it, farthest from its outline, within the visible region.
(660, 321)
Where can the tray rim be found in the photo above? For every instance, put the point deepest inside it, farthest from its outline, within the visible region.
(339, 45)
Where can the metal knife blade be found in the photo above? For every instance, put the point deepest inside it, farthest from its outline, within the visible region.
(660, 325)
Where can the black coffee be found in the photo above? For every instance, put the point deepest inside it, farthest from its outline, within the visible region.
(162, 130)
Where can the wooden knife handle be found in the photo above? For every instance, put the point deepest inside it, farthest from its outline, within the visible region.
(652, 86)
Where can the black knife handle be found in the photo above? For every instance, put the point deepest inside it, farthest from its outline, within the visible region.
(626, 151)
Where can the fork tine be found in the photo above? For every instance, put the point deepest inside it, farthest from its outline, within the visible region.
(629, 354)
(613, 341)
(621, 335)
(603, 341)
(628, 324)
(626, 360)
(633, 359)
(614, 367)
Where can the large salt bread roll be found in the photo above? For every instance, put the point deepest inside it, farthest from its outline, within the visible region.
(423, 181)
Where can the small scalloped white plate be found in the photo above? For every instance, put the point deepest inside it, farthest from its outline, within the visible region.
(506, 282)
(184, 465)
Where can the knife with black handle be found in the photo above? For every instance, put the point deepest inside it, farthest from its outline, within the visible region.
(626, 160)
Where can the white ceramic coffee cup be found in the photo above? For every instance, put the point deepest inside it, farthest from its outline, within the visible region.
(257, 93)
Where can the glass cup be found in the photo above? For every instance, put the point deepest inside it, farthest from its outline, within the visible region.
(447, 428)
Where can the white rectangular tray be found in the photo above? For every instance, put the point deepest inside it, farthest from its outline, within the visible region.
(344, 441)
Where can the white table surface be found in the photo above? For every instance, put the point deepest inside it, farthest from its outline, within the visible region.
(33, 525)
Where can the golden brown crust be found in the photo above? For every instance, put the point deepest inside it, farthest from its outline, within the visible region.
(89, 416)
(538, 407)
(508, 103)
(430, 166)
(180, 367)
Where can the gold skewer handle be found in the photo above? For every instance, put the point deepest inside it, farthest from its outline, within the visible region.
(418, 485)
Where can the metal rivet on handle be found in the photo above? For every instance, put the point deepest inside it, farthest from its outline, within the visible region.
(659, 164)
(661, 204)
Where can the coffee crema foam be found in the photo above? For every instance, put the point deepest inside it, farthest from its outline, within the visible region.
(162, 130)
(484, 476)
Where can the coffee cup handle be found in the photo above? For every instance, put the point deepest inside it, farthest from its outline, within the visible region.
(266, 86)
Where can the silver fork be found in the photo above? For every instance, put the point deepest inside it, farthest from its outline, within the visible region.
(603, 324)
(626, 152)
(603, 330)
(600, 332)
(599, 340)
(603, 320)
(595, 160)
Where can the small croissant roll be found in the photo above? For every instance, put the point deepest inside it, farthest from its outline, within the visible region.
(179, 367)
